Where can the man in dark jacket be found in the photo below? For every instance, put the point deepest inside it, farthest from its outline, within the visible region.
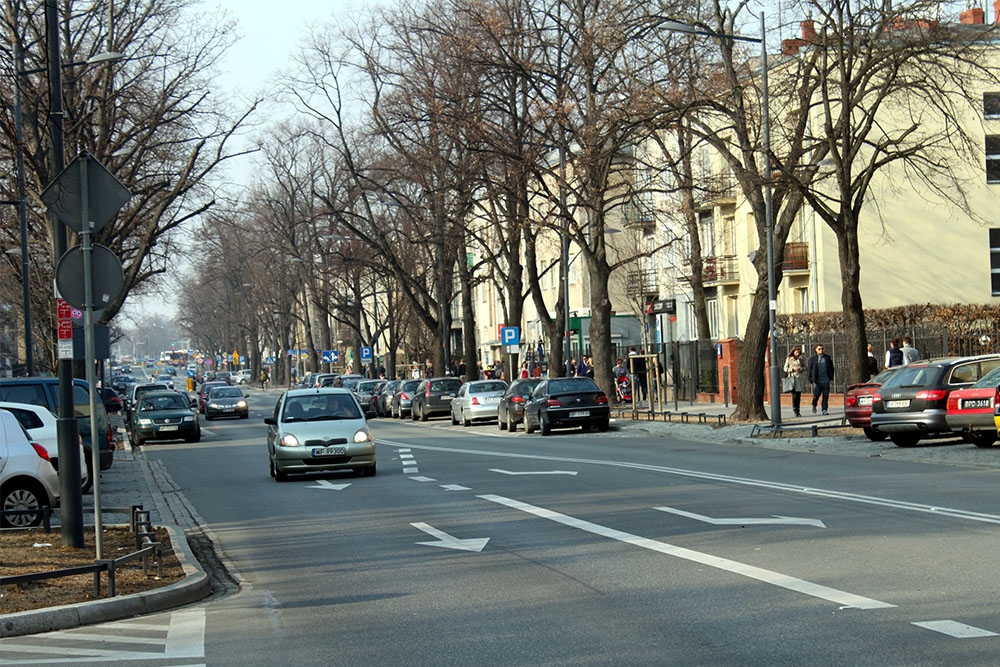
(820, 374)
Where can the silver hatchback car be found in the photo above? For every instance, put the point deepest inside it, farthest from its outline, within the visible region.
(318, 430)
(477, 401)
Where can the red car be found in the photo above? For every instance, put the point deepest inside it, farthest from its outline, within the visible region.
(971, 410)
(858, 403)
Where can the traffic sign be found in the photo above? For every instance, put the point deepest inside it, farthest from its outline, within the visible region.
(328, 357)
(336, 356)
(366, 354)
(269, 360)
(510, 335)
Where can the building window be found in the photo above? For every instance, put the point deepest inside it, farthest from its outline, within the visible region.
(706, 221)
(995, 262)
(993, 158)
(991, 105)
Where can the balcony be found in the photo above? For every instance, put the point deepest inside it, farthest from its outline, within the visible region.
(796, 257)
(641, 284)
(720, 269)
(717, 189)
(640, 217)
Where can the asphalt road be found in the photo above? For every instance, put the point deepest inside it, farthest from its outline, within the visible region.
(472, 547)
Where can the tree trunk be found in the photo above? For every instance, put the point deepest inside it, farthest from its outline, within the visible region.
(856, 352)
(750, 400)
(600, 327)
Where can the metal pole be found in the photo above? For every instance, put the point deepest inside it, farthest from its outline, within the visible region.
(567, 353)
(772, 299)
(71, 495)
(29, 354)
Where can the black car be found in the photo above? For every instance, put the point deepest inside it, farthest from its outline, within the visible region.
(433, 397)
(566, 403)
(383, 400)
(510, 412)
(912, 404)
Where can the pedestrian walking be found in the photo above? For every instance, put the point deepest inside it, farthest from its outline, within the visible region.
(263, 379)
(910, 353)
(893, 356)
(638, 365)
(873, 367)
(820, 374)
(794, 382)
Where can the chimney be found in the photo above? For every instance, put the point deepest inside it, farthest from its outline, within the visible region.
(809, 30)
(974, 15)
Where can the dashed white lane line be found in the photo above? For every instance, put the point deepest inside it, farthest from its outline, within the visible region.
(843, 598)
(419, 478)
(955, 629)
(455, 487)
(410, 471)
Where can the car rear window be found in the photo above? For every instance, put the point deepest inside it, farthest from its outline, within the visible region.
(914, 376)
(482, 387)
(568, 386)
(446, 385)
(991, 379)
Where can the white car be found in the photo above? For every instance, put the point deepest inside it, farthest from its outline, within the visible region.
(42, 428)
(27, 479)
(244, 376)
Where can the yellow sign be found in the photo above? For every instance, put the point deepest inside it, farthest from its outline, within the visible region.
(236, 357)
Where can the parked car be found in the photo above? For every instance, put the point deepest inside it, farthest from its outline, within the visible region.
(566, 403)
(383, 400)
(315, 430)
(329, 380)
(365, 391)
(203, 392)
(970, 411)
(510, 409)
(226, 401)
(42, 427)
(912, 404)
(164, 415)
(44, 391)
(402, 400)
(112, 401)
(350, 380)
(244, 376)
(433, 397)
(858, 403)
(136, 392)
(224, 376)
(477, 401)
(27, 479)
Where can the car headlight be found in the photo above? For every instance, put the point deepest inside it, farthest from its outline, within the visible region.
(288, 440)
(145, 422)
(362, 436)
(189, 419)
(213, 405)
(241, 404)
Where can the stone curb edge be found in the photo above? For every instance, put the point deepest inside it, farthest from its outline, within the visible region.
(195, 586)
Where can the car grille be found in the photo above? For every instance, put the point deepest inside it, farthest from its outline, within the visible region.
(168, 420)
(325, 443)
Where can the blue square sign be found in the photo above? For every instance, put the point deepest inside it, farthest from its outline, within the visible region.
(510, 335)
(366, 354)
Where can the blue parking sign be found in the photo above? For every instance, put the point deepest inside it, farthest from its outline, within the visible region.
(366, 354)
(510, 335)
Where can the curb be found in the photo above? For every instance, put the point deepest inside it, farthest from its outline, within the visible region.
(194, 587)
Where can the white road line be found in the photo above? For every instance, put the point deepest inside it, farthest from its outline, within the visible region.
(455, 487)
(408, 471)
(418, 478)
(727, 479)
(955, 629)
(767, 576)
(186, 636)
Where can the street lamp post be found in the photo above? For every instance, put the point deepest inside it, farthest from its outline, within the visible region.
(765, 128)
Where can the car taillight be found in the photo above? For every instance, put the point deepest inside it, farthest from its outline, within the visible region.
(553, 403)
(427, 392)
(475, 400)
(876, 398)
(603, 398)
(403, 396)
(111, 438)
(851, 401)
(41, 451)
(517, 399)
(932, 394)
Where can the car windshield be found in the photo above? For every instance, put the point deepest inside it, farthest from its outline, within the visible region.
(162, 403)
(350, 384)
(226, 392)
(320, 407)
(570, 386)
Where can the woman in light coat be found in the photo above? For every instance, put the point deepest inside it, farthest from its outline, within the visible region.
(795, 381)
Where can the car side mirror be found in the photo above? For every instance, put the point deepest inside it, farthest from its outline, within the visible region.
(270, 421)
(370, 414)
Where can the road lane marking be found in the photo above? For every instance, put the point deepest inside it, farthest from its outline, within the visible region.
(418, 478)
(745, 481)
(955, 629)
(842, 598)
(330, 486)
(773, 520)
(447, 541)
(408, 471)
(455, 487)
(535, 472)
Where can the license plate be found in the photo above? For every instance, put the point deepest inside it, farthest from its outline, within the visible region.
(168, 428)
(864, 400)
(579, 413)
(447, 398)
(329, 451)
(971, 403)
(229, 409)
(491, 399)
(897, 404)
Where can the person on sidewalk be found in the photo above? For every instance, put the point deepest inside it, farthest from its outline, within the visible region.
(893, 356)
(910, 353)
(873, 367)
(638, 364)
(795, 378)
(820, 374)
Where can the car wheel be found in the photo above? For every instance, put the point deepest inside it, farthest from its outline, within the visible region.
(208, 417)
(138, 442)
(369, 471)
(423, 413)
(604, 426)
(270, 467)
(873, 435)
(528, 428)
(413, 413)
(21, 495)
(454, 420)
(245, 415)
(904, 439)
(982, 439)
(194, 438)
(501, 422)
(89, 483)
(543, 424)
(511, 424)
(466, 421)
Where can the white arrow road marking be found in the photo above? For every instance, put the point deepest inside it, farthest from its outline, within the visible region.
(775, 578)
(538, 472)
(330, 486)
(955, 629)
(448, 542)
(455, 487)
(749, 521)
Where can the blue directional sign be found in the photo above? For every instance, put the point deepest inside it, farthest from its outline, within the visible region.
(366, 354)
(328, 357)
(336, 356)
(269, 360)
(510, 335)
(190, 372)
